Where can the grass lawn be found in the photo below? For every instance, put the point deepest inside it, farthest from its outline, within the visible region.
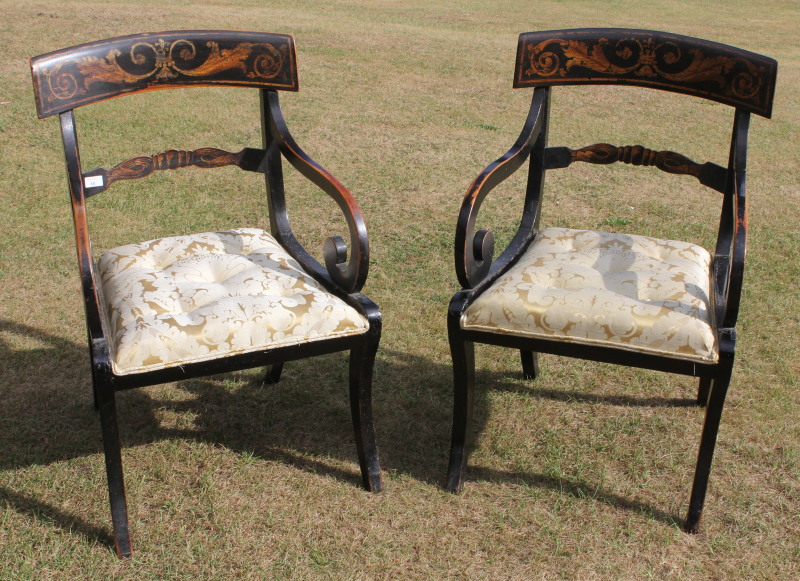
(584, 473)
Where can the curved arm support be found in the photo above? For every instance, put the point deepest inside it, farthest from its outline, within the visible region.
(474, 249)
(350, 275)
(732, 242)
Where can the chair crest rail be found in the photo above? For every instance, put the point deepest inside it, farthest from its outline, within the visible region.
(647, 58)
(95, 71)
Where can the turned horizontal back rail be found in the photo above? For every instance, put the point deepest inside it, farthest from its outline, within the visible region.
(100, 179)
(709, 174)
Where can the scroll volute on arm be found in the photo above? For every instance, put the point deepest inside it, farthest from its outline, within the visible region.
(474, 250)
(346, 266)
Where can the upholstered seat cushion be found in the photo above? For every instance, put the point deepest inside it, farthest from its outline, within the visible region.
(630, 292)
(184, 299)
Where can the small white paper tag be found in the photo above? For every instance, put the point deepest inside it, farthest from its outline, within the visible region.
(93, 182)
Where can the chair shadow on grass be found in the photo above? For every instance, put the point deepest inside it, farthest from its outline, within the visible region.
(303, 421)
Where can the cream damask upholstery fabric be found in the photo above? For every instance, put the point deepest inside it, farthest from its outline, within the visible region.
(630, 292)
(194, 298)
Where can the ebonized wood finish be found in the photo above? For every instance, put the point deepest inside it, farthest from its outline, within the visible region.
(79, 75)
(646, 59)
(91, 72)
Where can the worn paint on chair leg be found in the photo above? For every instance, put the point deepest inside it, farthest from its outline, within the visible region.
(362, 361)
(708, 441)
(113, 459)
(463, 353)
(530, 364)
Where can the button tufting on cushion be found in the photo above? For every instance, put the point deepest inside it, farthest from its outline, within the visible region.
(193, 298)
(630, 292)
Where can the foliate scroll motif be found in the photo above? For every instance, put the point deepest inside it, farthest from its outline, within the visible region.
(161, 61)
(167, 62)
(646, 58)
(143, 165)
(89, 73)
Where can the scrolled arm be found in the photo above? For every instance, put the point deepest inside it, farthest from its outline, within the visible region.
(347, 272)
(474, 250)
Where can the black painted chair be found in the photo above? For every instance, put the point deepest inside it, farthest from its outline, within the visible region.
(201, 304)
(620, 298)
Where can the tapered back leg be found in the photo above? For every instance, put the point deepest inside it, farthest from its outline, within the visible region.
(530, 364)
